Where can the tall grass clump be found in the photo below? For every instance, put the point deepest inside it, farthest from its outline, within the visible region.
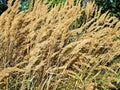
(67, 47)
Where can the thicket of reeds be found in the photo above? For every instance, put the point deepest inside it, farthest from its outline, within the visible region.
(65, 47)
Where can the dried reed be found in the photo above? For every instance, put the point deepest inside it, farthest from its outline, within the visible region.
(42, 49)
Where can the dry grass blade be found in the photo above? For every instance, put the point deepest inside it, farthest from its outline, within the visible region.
(44, 49)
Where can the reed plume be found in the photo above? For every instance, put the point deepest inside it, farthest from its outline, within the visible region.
(44, 49)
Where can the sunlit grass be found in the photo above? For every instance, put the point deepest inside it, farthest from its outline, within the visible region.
(59, 48)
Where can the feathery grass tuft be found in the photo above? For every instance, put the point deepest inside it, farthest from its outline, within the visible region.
(66, 47)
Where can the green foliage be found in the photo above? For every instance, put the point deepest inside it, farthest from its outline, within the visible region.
(3, 7)
(25, 5)
(54, 2)
(112, 5)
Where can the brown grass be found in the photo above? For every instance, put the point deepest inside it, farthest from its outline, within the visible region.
(42, 49)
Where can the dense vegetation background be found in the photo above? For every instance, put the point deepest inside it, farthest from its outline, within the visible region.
(107, 5)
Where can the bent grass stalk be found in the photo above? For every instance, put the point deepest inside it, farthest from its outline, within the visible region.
(43, 49)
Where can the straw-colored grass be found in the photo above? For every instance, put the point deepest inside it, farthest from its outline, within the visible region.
(43, 49)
